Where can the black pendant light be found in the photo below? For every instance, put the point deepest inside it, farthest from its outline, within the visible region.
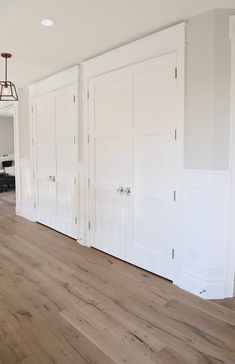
(7, 88)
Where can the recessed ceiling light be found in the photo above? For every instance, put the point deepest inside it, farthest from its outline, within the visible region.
(47, 22)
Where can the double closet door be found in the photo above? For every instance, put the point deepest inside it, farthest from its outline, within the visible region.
(133, 167)
(55, 146)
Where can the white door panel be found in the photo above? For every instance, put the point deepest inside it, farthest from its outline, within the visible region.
(66, 150)
(45, 160)
(152, 165)
(107, 117)
(55, 160)
(151, 225)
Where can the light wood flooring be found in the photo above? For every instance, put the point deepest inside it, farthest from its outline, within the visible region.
(64, 303)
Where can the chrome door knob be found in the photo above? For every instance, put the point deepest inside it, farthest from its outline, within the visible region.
(127, 191)
(120, 190)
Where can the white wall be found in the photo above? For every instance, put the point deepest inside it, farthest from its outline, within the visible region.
(6, 135)
(207, 182)
(207, 123)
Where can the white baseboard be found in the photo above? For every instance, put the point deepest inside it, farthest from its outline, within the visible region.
(26, 212)
(208, 289)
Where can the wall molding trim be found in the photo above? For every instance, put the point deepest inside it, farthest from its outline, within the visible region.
(151, 46)
(52, 83)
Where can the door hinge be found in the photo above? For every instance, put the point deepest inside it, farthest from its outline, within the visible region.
(32, 109)
(34, 205)
(75, 180)
(175, 134)
(173, 253)
(176, 73)
(174, 196)
(89, 225)
(74, 98)
(89, 182)
(88, 94)
(76, 220)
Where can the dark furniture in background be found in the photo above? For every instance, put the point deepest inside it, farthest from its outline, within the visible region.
(7, 181)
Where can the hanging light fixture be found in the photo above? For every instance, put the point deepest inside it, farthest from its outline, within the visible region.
(7, 88)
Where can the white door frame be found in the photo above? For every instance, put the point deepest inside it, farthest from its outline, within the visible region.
(3, 106)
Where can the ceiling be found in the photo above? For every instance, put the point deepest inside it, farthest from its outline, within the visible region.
(83, 29)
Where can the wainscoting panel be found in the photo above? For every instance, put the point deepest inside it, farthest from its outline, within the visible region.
(25, 190)
(205, 232)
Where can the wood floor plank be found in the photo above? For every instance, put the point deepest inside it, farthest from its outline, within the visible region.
(12, 347)
(64, 303)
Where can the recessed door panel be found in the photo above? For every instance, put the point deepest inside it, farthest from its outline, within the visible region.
(154, 91)
(108, 104)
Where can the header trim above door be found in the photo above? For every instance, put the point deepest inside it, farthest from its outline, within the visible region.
(145, 48)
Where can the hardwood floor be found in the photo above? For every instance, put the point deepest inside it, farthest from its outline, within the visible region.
(228, 302)
(64, 303)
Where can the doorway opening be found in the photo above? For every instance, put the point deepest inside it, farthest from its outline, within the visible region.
(7, 156)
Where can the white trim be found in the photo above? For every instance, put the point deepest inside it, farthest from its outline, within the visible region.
(204, 288)
(84, 173)
(145, 48)
(57, 81)
(15, 106)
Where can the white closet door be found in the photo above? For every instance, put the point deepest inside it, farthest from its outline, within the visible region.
(66, 161)
(152, 165)
(107, 119)
(45, 160)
